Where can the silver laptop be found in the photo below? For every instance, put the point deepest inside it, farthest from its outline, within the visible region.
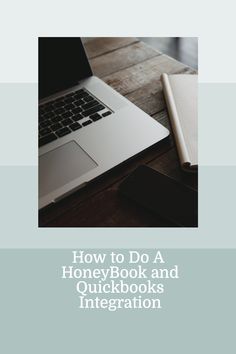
(85, 127)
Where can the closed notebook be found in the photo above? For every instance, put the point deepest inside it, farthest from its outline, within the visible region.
(181, 95)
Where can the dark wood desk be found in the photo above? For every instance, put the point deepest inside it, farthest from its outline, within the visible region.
(134, 70)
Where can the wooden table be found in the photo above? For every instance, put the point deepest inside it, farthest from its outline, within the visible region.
(133, 69)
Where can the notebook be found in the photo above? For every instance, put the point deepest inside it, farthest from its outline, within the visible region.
(181, 93)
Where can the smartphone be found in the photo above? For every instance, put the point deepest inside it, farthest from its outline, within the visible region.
(162, 195)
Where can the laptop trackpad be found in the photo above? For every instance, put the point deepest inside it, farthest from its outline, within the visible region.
(63, 165)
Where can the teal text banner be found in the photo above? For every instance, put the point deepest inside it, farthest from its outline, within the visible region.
(40, 313)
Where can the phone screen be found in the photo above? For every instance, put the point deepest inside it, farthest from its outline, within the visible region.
(163, 196)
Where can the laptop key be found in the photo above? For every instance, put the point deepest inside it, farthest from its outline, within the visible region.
(56, 119)
(47, 139)
(45, 123)
(49, 115)
(45, 131)
(63, 131)
(89, 105)
(69, 99)
(45, 116)
(75, 126)
(95, 117)
(81, 94)
(79, 102)
(87, 122)
(93, 110)
(66, 122)
(78, 91)
(88, 98)
(56, 126)
(106, 114)
(69, 106)
(67, 114)
(77, 117)
(76, 110)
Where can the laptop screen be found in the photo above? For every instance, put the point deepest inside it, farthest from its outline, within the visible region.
(62, 64)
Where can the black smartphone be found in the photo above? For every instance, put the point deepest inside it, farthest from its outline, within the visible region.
(162, 195)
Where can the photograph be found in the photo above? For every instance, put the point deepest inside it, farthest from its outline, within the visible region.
(118, 132)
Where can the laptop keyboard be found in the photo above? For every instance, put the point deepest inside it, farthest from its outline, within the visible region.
(69, 113)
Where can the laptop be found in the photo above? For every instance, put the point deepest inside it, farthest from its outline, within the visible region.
(85, 127)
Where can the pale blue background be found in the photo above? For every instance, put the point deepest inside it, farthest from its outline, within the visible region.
(40, 314)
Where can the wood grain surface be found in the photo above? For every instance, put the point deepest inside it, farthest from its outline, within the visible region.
(133, 69)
